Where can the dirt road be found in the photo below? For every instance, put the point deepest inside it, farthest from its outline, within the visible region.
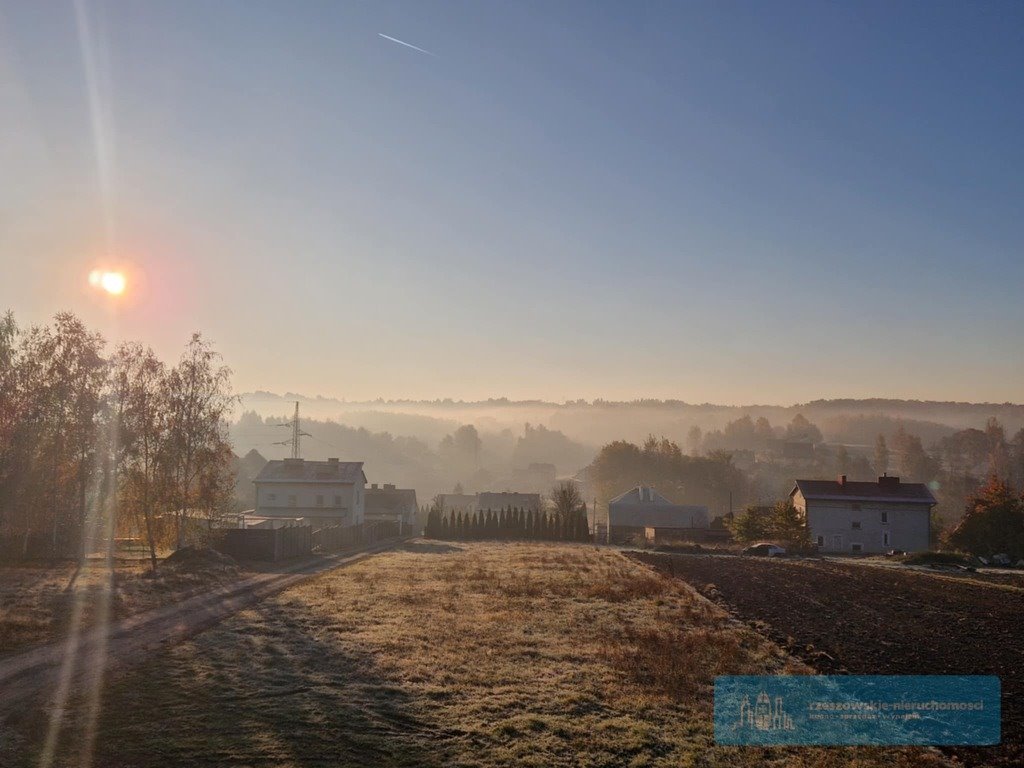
(33, 675)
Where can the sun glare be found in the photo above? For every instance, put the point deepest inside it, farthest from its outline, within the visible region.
(113, 283)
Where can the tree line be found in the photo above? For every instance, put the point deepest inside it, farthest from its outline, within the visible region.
(565, 521)
(92, 444)
(510, 524)
(711, 480)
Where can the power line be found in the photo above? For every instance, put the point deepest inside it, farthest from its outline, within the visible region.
(297, 433)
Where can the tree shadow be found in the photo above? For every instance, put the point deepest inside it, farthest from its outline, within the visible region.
(270, 686)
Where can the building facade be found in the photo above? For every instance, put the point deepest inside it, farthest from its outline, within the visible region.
(849, 517)
(390, 504)
(639, 509)
(322, 493)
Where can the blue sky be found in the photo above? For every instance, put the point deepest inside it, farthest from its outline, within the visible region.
(727, 202)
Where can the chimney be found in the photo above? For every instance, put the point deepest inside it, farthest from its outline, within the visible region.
(389, 486)
(373, 487)
(885, 481)
(842, 481)
(332, 460)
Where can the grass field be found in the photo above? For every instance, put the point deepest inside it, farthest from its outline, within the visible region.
(467, 655)
(36, 606)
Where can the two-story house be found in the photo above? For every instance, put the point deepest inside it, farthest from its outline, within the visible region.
(322, 493)
(857, 517)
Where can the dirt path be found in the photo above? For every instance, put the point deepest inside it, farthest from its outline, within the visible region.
(33, 675)
(852, 619)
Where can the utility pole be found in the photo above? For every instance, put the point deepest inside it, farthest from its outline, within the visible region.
(297, 433)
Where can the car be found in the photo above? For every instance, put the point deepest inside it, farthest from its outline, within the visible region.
(765, 549)
(895, 552)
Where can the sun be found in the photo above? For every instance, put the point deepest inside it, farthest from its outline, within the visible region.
(113, 283)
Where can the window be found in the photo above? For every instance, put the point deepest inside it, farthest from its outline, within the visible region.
(885, 519)
(821, 541)
(337, 501)
(271, 498)
(856, 547)
(855, 525)
(292, 502)
(319, 500)
(885, 538)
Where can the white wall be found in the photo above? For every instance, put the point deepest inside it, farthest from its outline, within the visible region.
(906, 527)
(274, 497)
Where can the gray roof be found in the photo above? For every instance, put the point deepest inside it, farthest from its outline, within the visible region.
(302, 471)
(389, 500)
(459, 501)
(643, 507)
(890, 489)
(499, 500)
(641, 494)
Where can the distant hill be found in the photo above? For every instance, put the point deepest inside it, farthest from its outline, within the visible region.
(596, 422)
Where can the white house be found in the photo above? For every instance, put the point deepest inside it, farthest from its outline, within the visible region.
(328, 492)
(853, 517)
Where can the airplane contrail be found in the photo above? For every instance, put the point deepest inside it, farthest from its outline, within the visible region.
(407, 45)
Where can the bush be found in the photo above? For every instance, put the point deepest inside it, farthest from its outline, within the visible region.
(938, 558)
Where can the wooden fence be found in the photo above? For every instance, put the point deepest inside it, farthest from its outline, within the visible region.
(267, 544)
(334, 538)
(281, 543)
(337, 537)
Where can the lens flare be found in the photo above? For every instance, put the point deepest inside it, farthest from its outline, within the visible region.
(113, 283)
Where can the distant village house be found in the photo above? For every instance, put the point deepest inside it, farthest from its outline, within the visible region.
(488, 500)
(495, 501)
(316, 493)
(391, 504)
(644, 513)
(857, 517)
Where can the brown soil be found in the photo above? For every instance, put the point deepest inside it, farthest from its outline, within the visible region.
(852, 619)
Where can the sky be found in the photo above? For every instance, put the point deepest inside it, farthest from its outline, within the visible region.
(730, 202)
